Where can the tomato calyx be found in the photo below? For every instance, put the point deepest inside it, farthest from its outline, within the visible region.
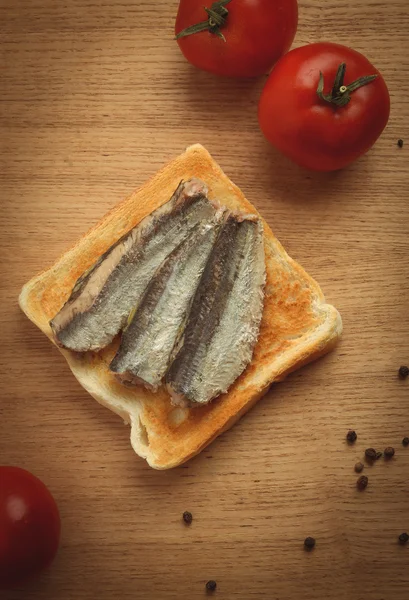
(340, 94)
(217, 16)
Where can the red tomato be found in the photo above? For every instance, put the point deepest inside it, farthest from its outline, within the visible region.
(252, 34)
(29, 526)
(316, 133)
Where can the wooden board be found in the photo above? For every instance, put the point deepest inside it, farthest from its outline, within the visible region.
(95, 98)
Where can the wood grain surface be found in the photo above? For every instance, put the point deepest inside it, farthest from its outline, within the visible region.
(95, 97)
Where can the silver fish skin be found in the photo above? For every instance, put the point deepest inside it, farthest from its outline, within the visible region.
(103, 297)
(158, 322)
(224, 321)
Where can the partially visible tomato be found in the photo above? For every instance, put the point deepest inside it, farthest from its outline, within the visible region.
(29, 526)
(328, 130)
(236, 38)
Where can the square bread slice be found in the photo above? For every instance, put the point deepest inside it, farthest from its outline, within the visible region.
(297, 325)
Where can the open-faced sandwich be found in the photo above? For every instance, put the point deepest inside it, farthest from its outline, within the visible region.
(180, 308)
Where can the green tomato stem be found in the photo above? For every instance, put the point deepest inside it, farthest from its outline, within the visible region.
(217, 14)
(341, 94)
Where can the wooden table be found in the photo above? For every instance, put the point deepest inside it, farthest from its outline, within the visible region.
(95, 98)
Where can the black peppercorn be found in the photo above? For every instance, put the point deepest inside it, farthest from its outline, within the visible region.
(351, 436)
(403, 372)
(359, 467)
(400, 143)
(362, 482)
(405, 441)
(378, 455)
(211, 585)
(389, 452)
(404, 538)
(309, 543)
(370, 453)
(187, 517)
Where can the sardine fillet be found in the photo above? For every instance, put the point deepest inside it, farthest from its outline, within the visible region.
(156, 325)
(224, 322)
(104, 296)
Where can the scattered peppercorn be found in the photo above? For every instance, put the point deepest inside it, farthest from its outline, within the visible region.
(404, 538)
(359, 467)
(400, 143)
(370, 453)
(187, 517)
(403, 372)
(362, 482)
(389, 452)
(378, 455)
(211, 585)
(309, 543)
(351, 436)
(405, 441)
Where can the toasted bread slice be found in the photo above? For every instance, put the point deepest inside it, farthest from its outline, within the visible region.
(297, 325)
